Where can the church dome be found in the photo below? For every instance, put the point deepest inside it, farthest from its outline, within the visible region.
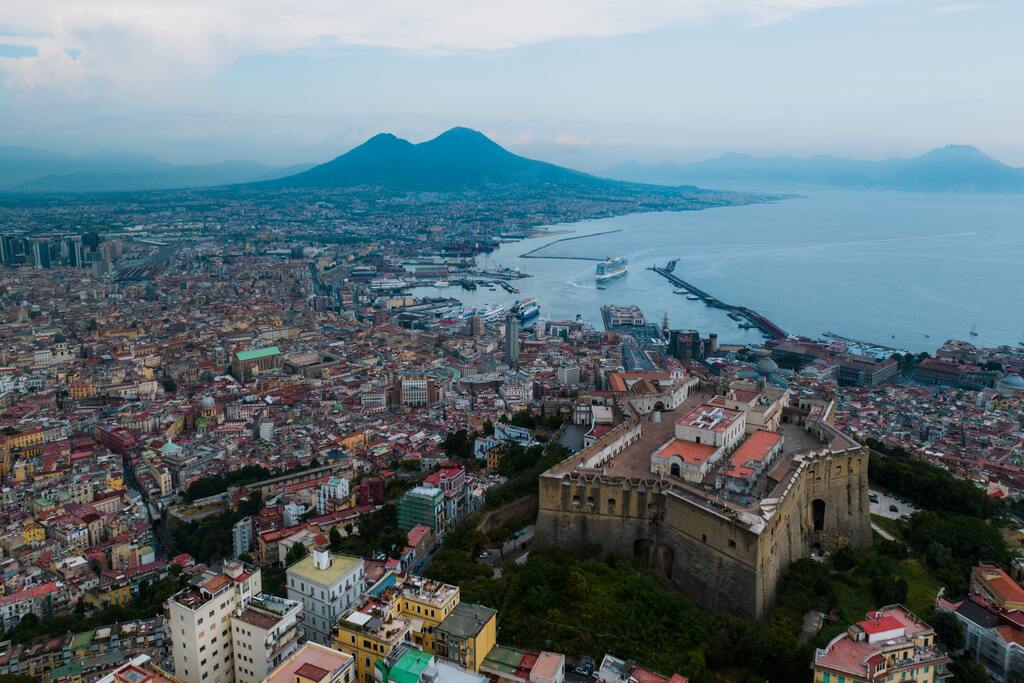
(767, 366)
(207, 403)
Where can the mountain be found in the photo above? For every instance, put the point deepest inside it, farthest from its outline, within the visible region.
(23, 169)
(955, 168)
(458, 159)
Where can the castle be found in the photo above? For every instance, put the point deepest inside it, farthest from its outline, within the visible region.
(717, 491)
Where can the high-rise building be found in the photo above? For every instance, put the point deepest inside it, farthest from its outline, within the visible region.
(75, 255)
(327, 584)
(241, 535)
(512, 339)
(264, 632)
(41, 254)
(477, 326)
(91, 240)
(7, 245)
(224, 629)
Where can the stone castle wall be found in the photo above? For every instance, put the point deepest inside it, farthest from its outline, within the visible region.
(703, 548)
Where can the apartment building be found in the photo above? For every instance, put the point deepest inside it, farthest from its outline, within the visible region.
(199, 623)
(264, 632)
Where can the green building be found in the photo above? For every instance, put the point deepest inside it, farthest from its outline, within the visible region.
(406, 669)
(421, 505)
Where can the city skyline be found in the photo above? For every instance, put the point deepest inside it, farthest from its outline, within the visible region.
(587, 85)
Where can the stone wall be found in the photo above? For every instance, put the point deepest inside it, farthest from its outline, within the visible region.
(725, 561)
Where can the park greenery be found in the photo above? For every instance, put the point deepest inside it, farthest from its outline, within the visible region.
(929, 487)
(585, 602)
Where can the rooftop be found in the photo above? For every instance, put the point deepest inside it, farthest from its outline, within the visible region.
(466, 620)
(688, 451)
(254, 354)
(340, 567)
(312, 654)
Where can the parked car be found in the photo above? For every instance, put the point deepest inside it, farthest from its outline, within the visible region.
(585, 667)
(893, 508)
(484, 555)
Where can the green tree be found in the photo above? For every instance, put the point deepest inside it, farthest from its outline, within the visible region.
(336, 540)
(295, 553)
(967, 671)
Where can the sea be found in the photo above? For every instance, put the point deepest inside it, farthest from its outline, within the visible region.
(900, 269)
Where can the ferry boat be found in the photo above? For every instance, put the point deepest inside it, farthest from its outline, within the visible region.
(611, 268)
(527, 309)
(486, 312)
(442, 283)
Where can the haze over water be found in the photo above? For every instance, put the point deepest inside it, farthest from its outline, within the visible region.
(887, 267)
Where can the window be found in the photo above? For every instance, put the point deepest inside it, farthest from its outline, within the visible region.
(732, 544)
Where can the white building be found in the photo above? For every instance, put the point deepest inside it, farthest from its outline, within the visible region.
(264, 632)
(241, 535)
(327, 585)
(336, 488)
(712, 425)
(199, 625)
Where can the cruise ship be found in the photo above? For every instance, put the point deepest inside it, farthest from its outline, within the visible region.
(527, 309)
(611, 268)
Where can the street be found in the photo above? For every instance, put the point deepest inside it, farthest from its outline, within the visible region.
(495, 556)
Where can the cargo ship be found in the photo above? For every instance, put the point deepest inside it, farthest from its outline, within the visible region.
(526, 309)
(611, 268)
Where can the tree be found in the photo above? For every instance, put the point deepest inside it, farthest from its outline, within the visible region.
(295, 553)
(967, 671)
(336, 540)
(947, 629)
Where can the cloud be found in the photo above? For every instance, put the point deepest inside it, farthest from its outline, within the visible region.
(146, 46)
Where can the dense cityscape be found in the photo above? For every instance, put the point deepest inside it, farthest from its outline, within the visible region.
(250, 422)
(661, 341)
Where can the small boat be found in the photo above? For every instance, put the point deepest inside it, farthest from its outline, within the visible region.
(601, 287)
(693, 297)
(679, 291)
(974, 331)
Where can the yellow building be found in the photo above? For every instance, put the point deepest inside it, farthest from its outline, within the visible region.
(371, 632)
(467, 635)
(425, 602)
(354, 441)
(27, 438)
(111, 594)
(891, 644)
(33, 533)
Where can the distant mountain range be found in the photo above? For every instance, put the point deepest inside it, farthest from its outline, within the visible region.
(956, 168)
(459, 159)
(23, 169)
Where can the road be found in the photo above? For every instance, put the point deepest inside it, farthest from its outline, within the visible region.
(882, 532)
(495, 556)
(881, 508)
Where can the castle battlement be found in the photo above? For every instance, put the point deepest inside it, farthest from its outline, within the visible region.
(727, 547)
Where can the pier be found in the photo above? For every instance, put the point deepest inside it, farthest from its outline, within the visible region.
(735, 312)
(533, 252)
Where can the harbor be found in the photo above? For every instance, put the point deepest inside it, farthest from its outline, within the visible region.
(533, 252)
(737, 313)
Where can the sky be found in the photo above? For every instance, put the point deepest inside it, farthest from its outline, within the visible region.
(586, 83)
